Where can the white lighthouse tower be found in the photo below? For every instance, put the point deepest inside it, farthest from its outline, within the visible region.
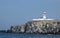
(44, 15)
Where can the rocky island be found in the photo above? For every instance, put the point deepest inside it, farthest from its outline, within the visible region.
(40, 25)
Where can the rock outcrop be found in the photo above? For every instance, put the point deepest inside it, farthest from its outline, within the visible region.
(42, 26)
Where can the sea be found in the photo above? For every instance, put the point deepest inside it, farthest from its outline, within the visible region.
(14, 35)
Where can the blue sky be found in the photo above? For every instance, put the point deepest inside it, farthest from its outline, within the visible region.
(14, 12)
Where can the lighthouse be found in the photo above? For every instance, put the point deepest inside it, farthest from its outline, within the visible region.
(44, 17)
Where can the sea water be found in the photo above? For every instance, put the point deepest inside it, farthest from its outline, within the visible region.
(12, 35)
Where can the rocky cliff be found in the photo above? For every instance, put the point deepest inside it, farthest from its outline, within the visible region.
(42, 26)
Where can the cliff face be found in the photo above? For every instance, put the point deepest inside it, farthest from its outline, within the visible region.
(44, 26)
